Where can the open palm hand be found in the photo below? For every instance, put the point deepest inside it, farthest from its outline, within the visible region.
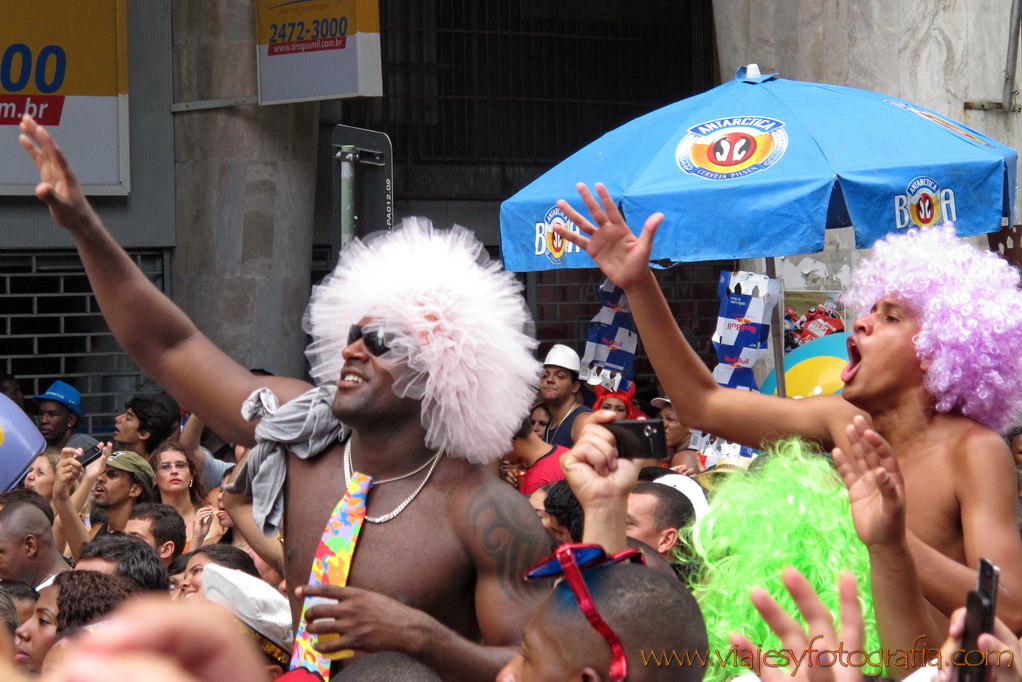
(608, 240)
(875, 488)
(58, 185)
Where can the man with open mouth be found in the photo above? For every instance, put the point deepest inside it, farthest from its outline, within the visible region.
(933, 369)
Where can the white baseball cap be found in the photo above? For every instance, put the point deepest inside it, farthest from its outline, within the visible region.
(252, 601)
(690, 489)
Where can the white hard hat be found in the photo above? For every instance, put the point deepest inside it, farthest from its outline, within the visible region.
(563, 356)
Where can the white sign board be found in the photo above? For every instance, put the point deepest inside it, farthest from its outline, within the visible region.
(317, 49)
(66, 65)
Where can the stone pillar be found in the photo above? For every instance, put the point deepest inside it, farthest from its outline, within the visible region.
(245, 191)
(936, 54)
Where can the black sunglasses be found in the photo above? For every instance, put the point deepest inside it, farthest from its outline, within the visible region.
(375, 342)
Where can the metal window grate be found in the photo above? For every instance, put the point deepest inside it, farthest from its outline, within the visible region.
(51, 328)
(481, 96)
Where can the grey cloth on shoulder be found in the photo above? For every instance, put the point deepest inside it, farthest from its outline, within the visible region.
(305, 426)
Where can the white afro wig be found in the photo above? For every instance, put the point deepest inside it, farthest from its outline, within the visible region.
(456, 324)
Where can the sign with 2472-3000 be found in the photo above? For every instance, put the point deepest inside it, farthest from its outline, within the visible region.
(65, 64)
(317, 49)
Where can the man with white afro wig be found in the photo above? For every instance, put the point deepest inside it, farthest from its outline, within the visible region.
(455, 325)
(424, 370)
(934, 372)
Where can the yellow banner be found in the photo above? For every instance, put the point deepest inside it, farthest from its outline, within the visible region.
(63, 48)
(65, 64)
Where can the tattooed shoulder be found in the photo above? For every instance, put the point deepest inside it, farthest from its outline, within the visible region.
(506, 536)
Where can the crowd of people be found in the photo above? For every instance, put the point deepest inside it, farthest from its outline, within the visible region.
(499, 535)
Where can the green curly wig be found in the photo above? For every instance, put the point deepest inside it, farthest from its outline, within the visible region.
(790, 509)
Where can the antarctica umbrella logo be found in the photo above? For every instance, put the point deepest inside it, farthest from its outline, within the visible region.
(548, 242)
(727, 148)
(924, 204)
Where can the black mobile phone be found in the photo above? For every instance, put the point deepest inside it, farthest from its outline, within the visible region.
(90, 455)
(980, 606)
(639, 438)
(979, 618)
(986, 581)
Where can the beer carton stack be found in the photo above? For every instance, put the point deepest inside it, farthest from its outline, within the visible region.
(610, 346)
(742, 337)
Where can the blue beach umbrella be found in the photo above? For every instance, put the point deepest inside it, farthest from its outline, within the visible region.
(760, 166)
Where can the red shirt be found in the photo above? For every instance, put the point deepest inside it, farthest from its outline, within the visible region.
(546, 469)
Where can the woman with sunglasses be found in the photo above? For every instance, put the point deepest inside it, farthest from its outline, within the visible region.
(184, 491)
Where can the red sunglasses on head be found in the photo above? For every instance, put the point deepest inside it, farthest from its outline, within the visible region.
(570, 560)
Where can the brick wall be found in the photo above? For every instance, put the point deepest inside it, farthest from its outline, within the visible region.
(566, 301)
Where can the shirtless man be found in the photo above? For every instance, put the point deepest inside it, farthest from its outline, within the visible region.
(936, 373)
(402, 331)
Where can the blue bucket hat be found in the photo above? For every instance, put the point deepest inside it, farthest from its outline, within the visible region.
(65, 394)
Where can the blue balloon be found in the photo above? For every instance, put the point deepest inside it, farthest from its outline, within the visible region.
(20, 442)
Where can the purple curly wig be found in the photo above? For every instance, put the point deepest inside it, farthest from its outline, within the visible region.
(969, 309)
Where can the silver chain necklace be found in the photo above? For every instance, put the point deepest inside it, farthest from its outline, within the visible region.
(558, 427)
(431, 462)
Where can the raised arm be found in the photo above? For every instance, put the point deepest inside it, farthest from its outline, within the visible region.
(877, 497)
(270, 548)
(191, 434)
(81, 494)
(151, 329)
(739, 416)
(68, 471)
(818, 635)
(602, 483)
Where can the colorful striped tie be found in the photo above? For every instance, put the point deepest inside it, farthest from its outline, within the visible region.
(330, 567)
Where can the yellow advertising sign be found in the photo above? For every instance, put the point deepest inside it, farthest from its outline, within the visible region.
(317, 49)
(75, 48)
(65, 64)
